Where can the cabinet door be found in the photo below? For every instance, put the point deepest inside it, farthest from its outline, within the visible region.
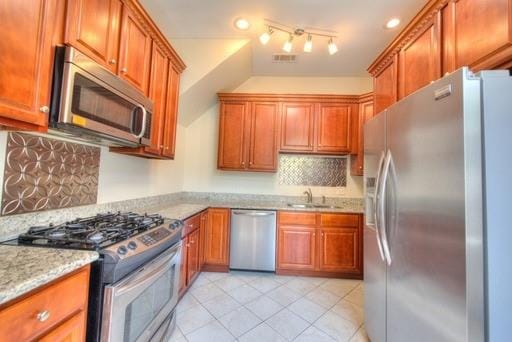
(365, 114)
(264, 135)
(26, 59)
(193, 256)
(339, 250)
(333, 128)
(296, 247)
(297, 127)
(183, 265)
(232, 135)
(93, 28)
(217, 237)
(135, 52)
(72, 330)
(385, 86)
(157, 93)
(420, 59)
(477, 33)
(202, 238)
(171, 112)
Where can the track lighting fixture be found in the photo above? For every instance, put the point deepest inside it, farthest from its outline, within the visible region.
(297, 32)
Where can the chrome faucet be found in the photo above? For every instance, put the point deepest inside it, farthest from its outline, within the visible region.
(309, 195)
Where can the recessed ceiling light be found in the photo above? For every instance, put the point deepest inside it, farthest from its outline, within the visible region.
(392, 23)
(242, 24)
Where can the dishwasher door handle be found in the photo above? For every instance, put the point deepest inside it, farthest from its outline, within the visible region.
(244, 213)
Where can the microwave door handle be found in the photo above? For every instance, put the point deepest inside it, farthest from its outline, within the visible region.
(144, 115)
(376, 200)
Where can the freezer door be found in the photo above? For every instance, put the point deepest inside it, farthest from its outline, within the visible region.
(430, 174)
(374, 264)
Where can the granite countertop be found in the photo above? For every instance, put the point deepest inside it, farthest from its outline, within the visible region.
(181, 211)
(23, 269)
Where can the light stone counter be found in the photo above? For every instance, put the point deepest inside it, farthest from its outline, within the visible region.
(23, 269)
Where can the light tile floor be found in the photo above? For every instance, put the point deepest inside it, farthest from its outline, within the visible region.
(262, 307)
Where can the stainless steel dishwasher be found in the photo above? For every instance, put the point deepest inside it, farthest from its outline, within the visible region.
(253, 240)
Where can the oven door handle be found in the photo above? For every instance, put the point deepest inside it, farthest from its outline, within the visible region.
(144, 115)
(146, 275)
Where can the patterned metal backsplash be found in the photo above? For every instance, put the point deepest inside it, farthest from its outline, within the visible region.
(312, 171)
(43, 174)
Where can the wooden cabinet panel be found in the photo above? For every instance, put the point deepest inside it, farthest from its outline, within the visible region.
(263, 136)
(192, 256)
(232, 131)
(72, 292)
(482, 33)
(202, 238)
(93, 28)
(365, 113)
(217, 237)
(339, 250)
(157, 93)
(26, 60)
(339, 220)
(135, 52)
(385, 86)
(333, 128)
(296, 247)
(171, 112)
(183, 266)
(297, 127)
(420, 59)
(296, 218)
(72, 330)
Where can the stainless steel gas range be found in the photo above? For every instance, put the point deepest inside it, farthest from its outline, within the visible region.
(134, 284)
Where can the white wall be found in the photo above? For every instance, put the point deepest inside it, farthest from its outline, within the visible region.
(202, 135)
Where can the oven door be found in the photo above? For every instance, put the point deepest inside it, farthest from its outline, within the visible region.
(97, 103)
(137, 306)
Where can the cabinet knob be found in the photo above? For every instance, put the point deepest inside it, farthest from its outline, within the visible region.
(124, 70)
(188, 244)
(43, 316)
(44, 109)
(112, 62)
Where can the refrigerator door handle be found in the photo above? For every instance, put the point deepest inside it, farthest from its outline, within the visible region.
(382, 207)
(375, 205)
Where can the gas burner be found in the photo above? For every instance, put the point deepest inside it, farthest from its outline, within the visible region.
(94, 232)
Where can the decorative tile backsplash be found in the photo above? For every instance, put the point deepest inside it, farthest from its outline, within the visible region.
(43, 174)
(312, 170)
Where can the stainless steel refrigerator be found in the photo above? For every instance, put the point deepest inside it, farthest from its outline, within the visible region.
(437, 239)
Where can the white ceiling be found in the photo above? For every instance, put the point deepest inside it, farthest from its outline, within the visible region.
(361, 36)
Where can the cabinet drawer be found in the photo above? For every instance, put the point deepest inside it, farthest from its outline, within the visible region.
(339, 220)
(192, 224)
(297, 218)
(19, 321)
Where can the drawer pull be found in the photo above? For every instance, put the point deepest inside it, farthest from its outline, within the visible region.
(43, 315)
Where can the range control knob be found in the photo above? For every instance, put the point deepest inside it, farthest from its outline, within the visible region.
(132, 245)
(122, 250)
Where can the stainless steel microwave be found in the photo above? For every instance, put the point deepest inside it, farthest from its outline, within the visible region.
(92, 104)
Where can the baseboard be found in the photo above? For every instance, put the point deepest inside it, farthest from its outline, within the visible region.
(322, 274)
(215, 268)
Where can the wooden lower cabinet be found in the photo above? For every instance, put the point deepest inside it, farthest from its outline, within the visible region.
(63, 303)
(216, 248)
(190, 250)
(202, 238)
(332, 246)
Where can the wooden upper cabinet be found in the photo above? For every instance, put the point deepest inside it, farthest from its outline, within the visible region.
(135, 51)
(365, 113)
(171, 113)
(26, 60)
(157, 93)
(93, 28)
(477, 33)
(333, 128)
(263, 136)
(297, 127)
(420, 59)
(216, 247)
(385, 85)
(296, 248)
(232, 131)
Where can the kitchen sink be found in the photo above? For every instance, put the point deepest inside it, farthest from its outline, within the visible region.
(310, 205)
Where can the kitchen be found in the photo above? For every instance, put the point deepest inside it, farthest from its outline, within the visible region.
(271, 171)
